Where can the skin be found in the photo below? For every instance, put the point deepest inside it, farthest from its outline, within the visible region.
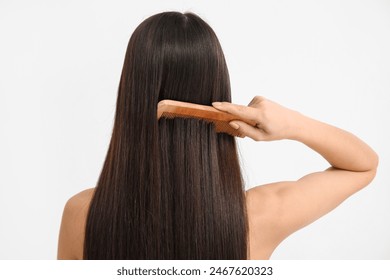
(278, 209)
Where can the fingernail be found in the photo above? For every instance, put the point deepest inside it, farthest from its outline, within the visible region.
(216, 104)
(234, 125)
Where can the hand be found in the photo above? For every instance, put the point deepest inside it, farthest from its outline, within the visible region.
(273, 121)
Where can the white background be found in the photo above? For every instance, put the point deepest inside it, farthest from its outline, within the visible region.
(60, 65)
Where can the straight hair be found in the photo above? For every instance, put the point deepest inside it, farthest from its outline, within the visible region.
(169, 188)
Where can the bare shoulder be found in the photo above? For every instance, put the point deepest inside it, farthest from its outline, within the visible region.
(279, 209)
(71, 237)
(81, 198)
(264, 219)
(77, 206)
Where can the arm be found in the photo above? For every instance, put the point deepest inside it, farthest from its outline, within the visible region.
(71, 236)
(67, 239)
(295, 204)
(340, 148)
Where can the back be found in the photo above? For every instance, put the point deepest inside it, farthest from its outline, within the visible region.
(71, 241)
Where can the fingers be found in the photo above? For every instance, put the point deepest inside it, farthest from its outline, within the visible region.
(256, 100)
(245, 129)
(244, 112)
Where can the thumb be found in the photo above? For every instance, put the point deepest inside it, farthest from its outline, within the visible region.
(245, 129)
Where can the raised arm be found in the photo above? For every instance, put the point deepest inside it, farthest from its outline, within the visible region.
(289, 206)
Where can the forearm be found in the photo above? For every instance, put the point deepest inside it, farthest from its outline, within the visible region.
(340, 148)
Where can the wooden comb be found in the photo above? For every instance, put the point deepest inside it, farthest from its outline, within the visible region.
(178, 109)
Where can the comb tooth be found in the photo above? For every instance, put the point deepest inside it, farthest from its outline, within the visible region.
(171, 115)
(219, 126)
(224, 127)
(168, 115)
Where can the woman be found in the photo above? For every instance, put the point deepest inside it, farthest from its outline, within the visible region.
(172, 188)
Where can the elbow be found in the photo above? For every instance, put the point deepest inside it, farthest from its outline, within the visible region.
(372, 162)
(372, 171)
(376, 164)
(369, 173)
(376, 160)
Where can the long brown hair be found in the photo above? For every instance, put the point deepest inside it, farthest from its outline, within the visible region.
(169, 188)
